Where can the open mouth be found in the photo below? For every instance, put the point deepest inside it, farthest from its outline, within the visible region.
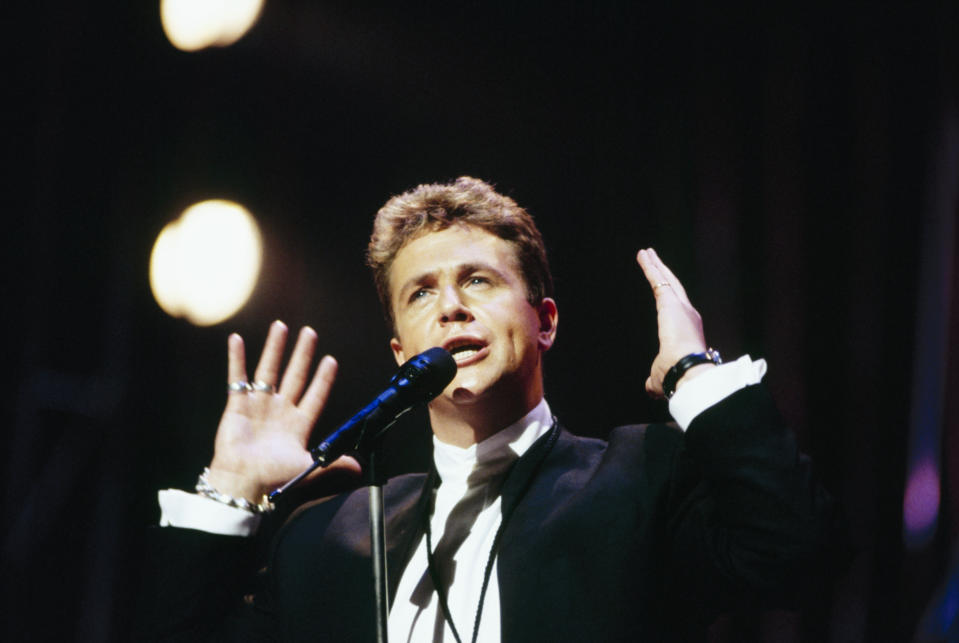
(464, 350)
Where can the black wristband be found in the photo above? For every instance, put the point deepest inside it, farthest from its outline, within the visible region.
(679, 369)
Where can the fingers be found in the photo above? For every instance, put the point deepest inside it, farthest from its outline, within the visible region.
(661, 279)
(679, 325)
(235, 370)
(236, 359)
(268, 368)
(297, 372)
(674, 282)
(316, 396)
(650, 268)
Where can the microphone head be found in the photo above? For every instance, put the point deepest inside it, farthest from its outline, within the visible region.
(424, 376)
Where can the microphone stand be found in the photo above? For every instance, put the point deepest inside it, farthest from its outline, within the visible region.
(367, 446)
(419, 380)
(381, 596)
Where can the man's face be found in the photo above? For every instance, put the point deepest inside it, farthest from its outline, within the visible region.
(461, 288)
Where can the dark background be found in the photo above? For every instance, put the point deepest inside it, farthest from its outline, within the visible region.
(797, 167)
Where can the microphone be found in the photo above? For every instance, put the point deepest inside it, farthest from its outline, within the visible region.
(418, 380)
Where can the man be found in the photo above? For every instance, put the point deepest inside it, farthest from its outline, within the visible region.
(521, 532)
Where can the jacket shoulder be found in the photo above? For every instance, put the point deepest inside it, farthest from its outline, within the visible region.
(321, 512)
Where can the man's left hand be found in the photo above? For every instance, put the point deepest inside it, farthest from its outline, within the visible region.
(680, 326)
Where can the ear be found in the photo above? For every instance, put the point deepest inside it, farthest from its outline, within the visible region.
(548, 315)
(398, 353)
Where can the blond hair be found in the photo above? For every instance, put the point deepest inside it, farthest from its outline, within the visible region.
(437, 206)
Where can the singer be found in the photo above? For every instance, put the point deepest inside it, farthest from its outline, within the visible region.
(521, 531)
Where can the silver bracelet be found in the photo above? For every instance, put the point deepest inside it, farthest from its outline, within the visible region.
(205, 489)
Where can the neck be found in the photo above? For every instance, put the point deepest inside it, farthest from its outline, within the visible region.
(466, 424)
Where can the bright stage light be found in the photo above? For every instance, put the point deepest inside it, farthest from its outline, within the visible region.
(191, 25)
(205, 264)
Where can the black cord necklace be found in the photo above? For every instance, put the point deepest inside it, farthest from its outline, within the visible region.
(441, 589)
(507, 512)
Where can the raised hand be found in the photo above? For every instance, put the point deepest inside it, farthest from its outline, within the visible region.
(262, 436)
(680, 326)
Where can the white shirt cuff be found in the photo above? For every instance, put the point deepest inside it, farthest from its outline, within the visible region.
(193, 511)
(712, 386)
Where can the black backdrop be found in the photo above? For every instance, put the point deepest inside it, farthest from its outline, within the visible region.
(796, 167)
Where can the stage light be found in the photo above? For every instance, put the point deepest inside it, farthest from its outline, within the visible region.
(191, 25)
(205, 264)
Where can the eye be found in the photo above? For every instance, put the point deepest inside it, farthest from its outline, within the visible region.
(418, 294)
(477, 281)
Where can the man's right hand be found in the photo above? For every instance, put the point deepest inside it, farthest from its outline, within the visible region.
(261, 441)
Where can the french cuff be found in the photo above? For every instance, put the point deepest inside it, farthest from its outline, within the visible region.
(712, 386)
(193, 511)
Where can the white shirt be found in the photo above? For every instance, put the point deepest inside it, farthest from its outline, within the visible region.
(470, 478)
(416, 616)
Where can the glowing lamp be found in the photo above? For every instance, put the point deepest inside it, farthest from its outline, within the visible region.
(205, 264)
(191, 25)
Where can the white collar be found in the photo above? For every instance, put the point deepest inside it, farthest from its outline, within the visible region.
(495, 453)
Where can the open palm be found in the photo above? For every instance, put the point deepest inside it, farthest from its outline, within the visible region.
(262, 436)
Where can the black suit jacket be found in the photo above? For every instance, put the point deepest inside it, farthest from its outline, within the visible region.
(645, 537)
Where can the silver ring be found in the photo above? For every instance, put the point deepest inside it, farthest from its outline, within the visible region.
(262, 387)
(239, 386)
(661, 284)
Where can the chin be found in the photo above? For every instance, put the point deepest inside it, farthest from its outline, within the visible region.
(462, 396)
(466, 392)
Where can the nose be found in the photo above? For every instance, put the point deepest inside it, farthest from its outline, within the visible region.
(451, 306)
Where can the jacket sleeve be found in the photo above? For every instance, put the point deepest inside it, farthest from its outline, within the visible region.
(202, 587)
(746, 522)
